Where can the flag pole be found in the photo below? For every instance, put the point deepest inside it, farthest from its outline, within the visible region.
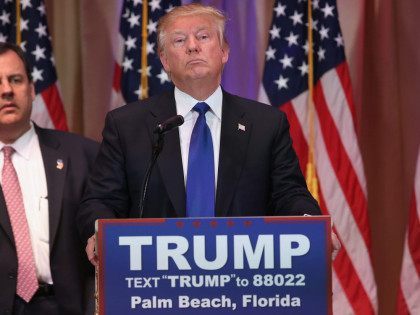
(311, 178)
(144, 84)
(18, 33)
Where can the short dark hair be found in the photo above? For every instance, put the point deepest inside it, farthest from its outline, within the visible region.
(5, 47)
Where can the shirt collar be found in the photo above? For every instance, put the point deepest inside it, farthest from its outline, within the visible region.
(22, 145)
(185, 102)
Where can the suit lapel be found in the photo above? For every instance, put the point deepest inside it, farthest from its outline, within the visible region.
(169, 161)
(55, 165)
(234, 138)
(4, 218)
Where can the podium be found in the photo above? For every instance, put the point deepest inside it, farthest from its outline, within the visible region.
(244, 265)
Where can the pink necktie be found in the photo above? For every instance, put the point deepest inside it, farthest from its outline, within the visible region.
(27, 282)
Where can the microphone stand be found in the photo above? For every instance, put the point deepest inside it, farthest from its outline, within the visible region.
(157, 148)
(160, 130)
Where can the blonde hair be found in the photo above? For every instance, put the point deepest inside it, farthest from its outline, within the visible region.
(217, 16)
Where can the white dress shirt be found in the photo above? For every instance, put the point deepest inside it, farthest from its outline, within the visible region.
(184, 107)
(29, 166)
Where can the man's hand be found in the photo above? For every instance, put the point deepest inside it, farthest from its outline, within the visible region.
(336, 245)
(90, 251)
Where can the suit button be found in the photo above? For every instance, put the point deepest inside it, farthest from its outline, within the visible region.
(6, 312)
(12, 275)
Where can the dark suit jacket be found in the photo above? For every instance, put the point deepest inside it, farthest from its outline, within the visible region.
(258, 175)
(69, 265)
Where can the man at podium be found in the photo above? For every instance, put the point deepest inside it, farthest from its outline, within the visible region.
(231, 157)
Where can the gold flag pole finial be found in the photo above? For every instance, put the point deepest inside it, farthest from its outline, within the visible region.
(311, 177)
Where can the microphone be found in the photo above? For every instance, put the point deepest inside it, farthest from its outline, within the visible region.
(160, 129)
(169, 124)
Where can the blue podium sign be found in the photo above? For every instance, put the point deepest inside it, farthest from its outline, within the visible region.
(270, 265)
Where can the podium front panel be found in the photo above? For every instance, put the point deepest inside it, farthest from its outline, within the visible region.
(247, 265)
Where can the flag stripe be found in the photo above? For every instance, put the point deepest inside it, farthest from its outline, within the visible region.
(402, 308)
(344, 76)
(345, 274)
(414, 233)
(349, 183)
(408, 299)
(335, 93)
(339, 209)
(341, 304)
(52, 99)
(409, 285)
(354, 288)
(299, 142)
(119, 52)
(40, 113)
(414, 220)
(116, 83)
(116, 95)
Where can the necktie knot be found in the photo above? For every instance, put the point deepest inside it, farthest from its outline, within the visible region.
(201, 108)
(7, 152)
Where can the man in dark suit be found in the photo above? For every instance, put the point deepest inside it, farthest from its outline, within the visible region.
(253, 168)
(43, 269)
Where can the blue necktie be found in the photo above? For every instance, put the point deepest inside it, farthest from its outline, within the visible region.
(200, 177)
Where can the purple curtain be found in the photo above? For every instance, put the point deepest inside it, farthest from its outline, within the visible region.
(241, 75)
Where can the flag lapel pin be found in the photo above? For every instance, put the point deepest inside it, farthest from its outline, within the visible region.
(241, 127)
(60, 164)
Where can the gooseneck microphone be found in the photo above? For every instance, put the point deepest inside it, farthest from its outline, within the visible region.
(161, 129)
(169, 124)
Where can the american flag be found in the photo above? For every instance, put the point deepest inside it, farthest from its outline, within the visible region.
(47, 109)
(128, 66)
(409, 289)
(339, 167)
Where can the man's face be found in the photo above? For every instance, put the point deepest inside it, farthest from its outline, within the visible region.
(192, 51)
(16, 92)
